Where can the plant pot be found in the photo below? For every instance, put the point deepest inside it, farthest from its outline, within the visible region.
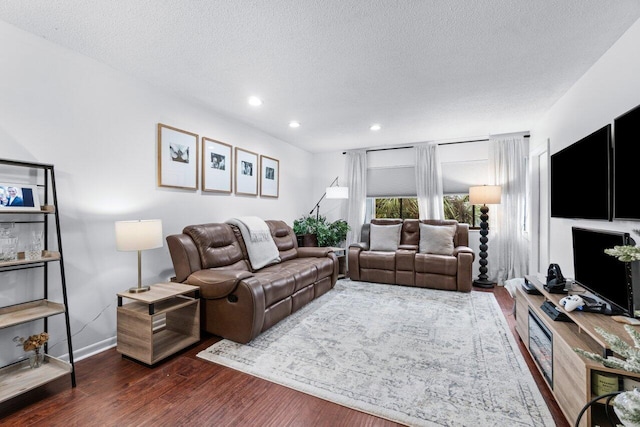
(306, 240)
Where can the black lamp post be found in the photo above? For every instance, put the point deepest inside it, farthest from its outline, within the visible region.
(483, 195)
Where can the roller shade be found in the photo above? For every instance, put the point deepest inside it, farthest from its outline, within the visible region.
(391, 182)
(391, 173)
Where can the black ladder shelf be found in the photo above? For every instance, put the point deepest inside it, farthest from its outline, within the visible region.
(17, 377)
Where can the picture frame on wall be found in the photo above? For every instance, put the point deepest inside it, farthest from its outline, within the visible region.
(177, 158)
(19, 197)
(246, 172)
(269, 177)
(217, 166)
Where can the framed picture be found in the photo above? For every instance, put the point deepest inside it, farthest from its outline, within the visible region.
(217, 164)
(177, 158)
(246, 172)
(269, 177)
(18, 197)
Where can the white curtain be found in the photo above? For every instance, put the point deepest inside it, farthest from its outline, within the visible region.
(356, 173)
(429, 182)
(508, 252)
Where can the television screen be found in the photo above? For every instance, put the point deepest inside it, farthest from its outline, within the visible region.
(626, 152)
(601, 274)
(581, 176)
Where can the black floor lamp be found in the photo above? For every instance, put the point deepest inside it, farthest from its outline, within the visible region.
(484, 195)
(331, 192)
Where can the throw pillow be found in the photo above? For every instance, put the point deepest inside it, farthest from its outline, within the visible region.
(436, 239)
(384, 237)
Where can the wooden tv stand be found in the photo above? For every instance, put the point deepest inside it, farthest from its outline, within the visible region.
(571, 382)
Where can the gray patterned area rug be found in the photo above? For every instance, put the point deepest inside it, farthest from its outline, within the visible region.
(419, 357)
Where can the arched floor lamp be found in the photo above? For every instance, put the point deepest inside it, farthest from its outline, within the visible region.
(331, 192)
(484, 195)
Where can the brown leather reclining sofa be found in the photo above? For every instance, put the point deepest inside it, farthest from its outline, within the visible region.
(403, 263)
(237, 302)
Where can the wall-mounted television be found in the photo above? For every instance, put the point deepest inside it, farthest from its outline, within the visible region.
(581, 175)
(604, 275)
(626, 143)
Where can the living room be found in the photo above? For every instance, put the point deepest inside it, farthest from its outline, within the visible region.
(98, 126)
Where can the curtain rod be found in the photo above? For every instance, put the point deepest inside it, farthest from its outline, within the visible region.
(440, 143)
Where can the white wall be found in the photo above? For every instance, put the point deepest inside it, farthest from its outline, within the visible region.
(610, 88)
(98, 127)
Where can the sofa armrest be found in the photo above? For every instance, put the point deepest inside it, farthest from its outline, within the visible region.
(463, 249)
(216, 284)
(465, 257)
(313, 251)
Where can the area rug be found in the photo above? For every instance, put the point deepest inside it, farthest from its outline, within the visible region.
(419, 357)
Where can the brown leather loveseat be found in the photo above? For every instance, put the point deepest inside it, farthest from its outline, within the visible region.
(238, 302)
(424, 253)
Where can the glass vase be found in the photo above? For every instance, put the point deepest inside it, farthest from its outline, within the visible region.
(36, 359)
(8, 242)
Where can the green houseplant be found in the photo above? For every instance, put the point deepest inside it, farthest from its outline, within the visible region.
(327, 233)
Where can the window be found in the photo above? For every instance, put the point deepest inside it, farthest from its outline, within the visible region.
(456, 206)
(398, 207)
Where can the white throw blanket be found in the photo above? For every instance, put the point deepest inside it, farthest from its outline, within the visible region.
(261, 248)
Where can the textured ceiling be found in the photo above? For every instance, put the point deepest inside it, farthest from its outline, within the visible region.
(423, 69)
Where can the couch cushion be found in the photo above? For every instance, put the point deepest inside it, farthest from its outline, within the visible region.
(437, 239)
(378, 260)
(384, 237)
(217, 246)
(284, 238)
(276, 285)
(436, 264)
(304, 271)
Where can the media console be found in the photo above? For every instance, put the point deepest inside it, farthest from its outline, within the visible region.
(570, 377)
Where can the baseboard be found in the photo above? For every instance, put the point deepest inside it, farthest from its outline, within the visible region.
(90, 350)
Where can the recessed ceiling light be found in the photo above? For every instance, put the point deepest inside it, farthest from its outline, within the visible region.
(375, 127)
(255, 101)
(294, 124)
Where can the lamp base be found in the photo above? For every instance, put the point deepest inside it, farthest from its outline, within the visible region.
(139, 289)
(483, 283)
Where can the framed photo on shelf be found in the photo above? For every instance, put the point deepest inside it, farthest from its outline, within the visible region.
(269, 177)
(177, 158)
(246, 172)
(18, 197)
(217, 164)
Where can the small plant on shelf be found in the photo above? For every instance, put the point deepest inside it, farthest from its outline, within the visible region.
(33, 343)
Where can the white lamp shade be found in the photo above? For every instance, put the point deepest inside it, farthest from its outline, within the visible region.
(485, 195)
(337, 192)
(138, 235)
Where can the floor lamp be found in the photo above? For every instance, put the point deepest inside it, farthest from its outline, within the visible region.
(331, 192)
(484, 195)
(139, 236)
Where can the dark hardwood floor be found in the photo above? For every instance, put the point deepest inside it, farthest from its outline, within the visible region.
(184, 390)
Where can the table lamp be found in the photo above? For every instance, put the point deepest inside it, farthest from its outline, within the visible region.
(139, 236)
(484, 195)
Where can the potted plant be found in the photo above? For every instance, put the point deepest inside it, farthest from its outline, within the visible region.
(326, 233)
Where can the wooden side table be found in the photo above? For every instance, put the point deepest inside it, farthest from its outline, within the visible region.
(341, 253)
(158, 323)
